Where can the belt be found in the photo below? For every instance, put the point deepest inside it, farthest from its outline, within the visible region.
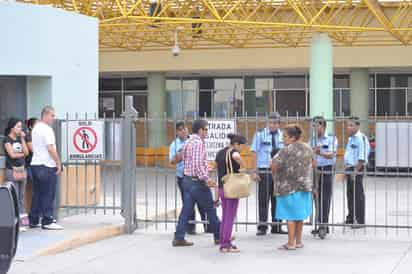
(194, 178)
(264, 168)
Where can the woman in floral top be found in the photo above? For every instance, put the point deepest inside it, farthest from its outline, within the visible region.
(292, 171)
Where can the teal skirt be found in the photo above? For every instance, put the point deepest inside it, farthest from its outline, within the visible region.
(294, 207)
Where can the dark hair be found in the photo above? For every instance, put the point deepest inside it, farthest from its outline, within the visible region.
(320, 121)
(198, 125)
(274, 117)
(236, 139)
(31, 122)
(180, 124)
(11, 124)
(355, 120)
(294, 130)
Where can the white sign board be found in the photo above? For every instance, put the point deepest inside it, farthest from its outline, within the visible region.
(393, 144)
(217, 136)
(85, 140)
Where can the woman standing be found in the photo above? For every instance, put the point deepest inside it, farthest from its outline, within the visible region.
(292, 168)
(229, 206)
(16, 151)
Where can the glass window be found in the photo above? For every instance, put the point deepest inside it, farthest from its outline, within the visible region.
(110, 105)
(182, 98)
(341, 98)
(291, 102)
(290, 82)
(135, 83)
(228, 98)
(139, 102)
(110, 84)
(264, 95)
(341, 81)
(391, 101)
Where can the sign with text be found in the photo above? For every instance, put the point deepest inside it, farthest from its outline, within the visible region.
(85, 140)
(217, 136)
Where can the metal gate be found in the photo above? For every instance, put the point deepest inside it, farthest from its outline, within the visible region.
(137, 181)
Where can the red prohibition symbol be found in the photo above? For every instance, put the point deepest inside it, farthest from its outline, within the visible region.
(85, 139)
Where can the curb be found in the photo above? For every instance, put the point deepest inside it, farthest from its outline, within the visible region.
(82, 239)
(90, 237)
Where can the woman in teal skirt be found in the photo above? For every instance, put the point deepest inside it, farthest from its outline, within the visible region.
(292, 172)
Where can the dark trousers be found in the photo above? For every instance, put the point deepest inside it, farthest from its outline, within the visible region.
(324, 194)
(356, 197)
(265, 196)
(44, 193)
(195, 191)
(191, 227)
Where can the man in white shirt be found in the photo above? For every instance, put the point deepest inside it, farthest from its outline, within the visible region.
(46, 166)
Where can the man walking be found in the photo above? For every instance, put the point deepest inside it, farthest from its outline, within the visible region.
(266, 143)
(175, 157)
(356, 158)
(196, 184)
(46, 166)
(325, 147)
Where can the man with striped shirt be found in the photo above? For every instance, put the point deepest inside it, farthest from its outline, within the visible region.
(196, 184)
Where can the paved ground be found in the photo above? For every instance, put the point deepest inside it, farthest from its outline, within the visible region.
(150, 252)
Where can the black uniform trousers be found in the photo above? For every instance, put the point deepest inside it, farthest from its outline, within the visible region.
(324, 193)
(356, 197)
(265, 197)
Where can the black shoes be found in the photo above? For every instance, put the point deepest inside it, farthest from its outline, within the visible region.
(278, 230)
(261, 233)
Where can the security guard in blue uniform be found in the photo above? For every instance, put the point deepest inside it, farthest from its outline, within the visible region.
(356, 158)
(324, 147)
(267, 142)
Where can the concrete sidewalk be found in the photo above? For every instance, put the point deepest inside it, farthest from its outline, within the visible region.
(150, 252)
(78, 230)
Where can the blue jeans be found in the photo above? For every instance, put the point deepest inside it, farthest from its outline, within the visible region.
(192, 217)
(44, 193)
(196, 192)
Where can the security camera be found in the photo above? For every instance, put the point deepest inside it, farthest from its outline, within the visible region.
(176, 50)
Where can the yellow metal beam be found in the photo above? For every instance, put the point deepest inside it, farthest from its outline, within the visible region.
(128, 24)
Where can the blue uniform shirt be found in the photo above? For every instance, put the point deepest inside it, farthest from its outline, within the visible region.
(327, 143)
(173, 150)
(357, 149)
(262, 146)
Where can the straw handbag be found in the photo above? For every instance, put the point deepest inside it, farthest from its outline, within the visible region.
(235, 185)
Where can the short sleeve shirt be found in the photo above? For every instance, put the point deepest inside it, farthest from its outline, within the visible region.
(42, 136)
(294, 169)
(17, 147)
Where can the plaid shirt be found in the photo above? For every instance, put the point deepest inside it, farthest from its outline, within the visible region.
(194, 158)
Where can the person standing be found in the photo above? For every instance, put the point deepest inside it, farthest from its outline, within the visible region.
(175, 158)
(229, 206)
(266, 142)
(46, 166)
(196, 185)
(292, 168)
(356, 158)
(16, 151)
(324, 147)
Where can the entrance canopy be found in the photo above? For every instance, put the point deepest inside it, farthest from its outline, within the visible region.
(155, 24)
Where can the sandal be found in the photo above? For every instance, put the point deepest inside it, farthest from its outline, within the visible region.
(225, 249)
(300, 245)
(286, 247)
(234, 249)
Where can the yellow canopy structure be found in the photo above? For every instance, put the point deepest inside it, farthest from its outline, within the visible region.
(154, 24)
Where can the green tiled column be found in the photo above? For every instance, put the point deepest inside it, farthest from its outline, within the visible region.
(359, 96)
(321, 77)
(156, 83)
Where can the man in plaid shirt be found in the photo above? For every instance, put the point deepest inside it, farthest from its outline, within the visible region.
(196, 185)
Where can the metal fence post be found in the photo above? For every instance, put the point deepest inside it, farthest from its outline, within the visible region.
(58, 134)
(128, 166)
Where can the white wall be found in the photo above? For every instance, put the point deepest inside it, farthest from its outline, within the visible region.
(49, 42)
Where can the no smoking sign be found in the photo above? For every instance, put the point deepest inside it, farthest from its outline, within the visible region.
(85, 140)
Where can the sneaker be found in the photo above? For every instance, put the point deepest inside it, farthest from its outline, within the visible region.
(22, 229)
(52, 226)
